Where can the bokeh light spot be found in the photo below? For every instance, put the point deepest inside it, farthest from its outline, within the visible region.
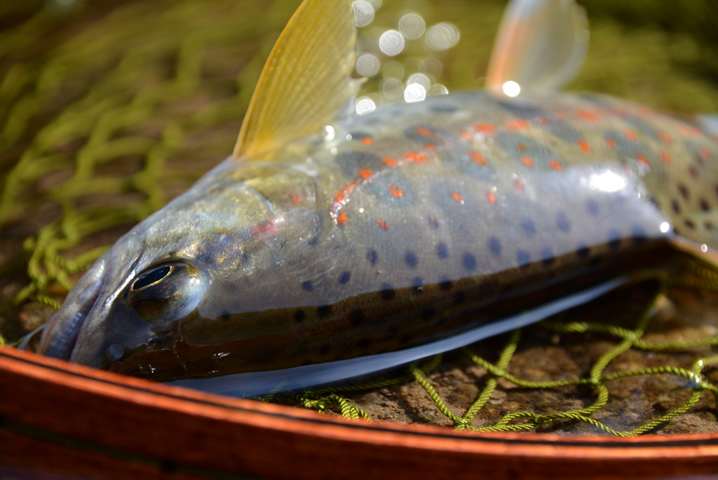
(391, 42)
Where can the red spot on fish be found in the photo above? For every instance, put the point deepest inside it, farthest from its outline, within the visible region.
(433, 221)
(704, 153)
(527, 161)
(587, 116)
(518, 124)
(365, 173)
(266, 228)
(491, 197)
(389, 162)
(555, 165)
(295, 198)
(543, 120)
(519, 185)
(366, 140)
(396, 192)
(424, 131)
(665, 138)
(466, 136)
(383, 224)
(342, 219)
(611, 143)
(630, 135)
(457, 197)
(642, 159)
(416, 157)
(583, 144)
(693, 171)
(484, 128)
(666, 157)
(477, 157)
(522, 147)
(560, 115)
(690, 130)
(429, 147)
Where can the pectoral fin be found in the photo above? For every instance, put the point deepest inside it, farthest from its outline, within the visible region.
(306, 80)
(541, 45)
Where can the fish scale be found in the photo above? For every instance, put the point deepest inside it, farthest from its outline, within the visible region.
(394, 232)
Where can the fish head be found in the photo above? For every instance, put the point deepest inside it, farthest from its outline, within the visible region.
(160, 274)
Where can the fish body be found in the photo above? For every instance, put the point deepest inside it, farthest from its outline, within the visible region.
(392, 230)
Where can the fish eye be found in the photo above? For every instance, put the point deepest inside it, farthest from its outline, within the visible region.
(167, 292)
(151, 277)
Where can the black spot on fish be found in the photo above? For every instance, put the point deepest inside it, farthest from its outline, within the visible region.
(614, 239)
(495, 245)
(592, 208)
(387, 292)
(445, 284)
(360, 136)
(427, 313)
(547, 256)
(639, 234)
(356, 318)
(675, 205)
(442, 250)
(392, 331)
(324, 349)
(528, 226)
(684, 191)
(433, 222)
(443, 108)
(372, 256)
(690, 224)
(405, 339)
(364, 343)
(307, 286)
(324, 310)
(469, 261)
(523, 110)
(352, 162)
(562, 222)
(460, 298)
(523, 257)
(583, 251)
(345, 277)
(299, 315)
(704, 205)
(410, 259)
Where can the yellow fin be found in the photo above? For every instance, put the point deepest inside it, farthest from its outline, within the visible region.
(541, 45)
(306, 80)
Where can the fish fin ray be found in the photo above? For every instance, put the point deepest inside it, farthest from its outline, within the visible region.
(302, 86)
(541, 45)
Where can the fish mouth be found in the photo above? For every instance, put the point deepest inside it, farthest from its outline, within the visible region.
(63, 329)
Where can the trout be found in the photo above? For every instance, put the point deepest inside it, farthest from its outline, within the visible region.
(331, 245)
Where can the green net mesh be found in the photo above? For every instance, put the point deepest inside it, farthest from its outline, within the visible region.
(110, 108)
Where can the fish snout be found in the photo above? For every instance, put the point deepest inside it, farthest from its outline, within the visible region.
(62, 330)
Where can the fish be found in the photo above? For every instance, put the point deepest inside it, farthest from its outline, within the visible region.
(331, 245)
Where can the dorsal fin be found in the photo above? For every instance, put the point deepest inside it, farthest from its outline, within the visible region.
(541, 45)
(306, 80)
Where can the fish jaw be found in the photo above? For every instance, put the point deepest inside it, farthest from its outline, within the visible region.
(74, 326)
(63, 328)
